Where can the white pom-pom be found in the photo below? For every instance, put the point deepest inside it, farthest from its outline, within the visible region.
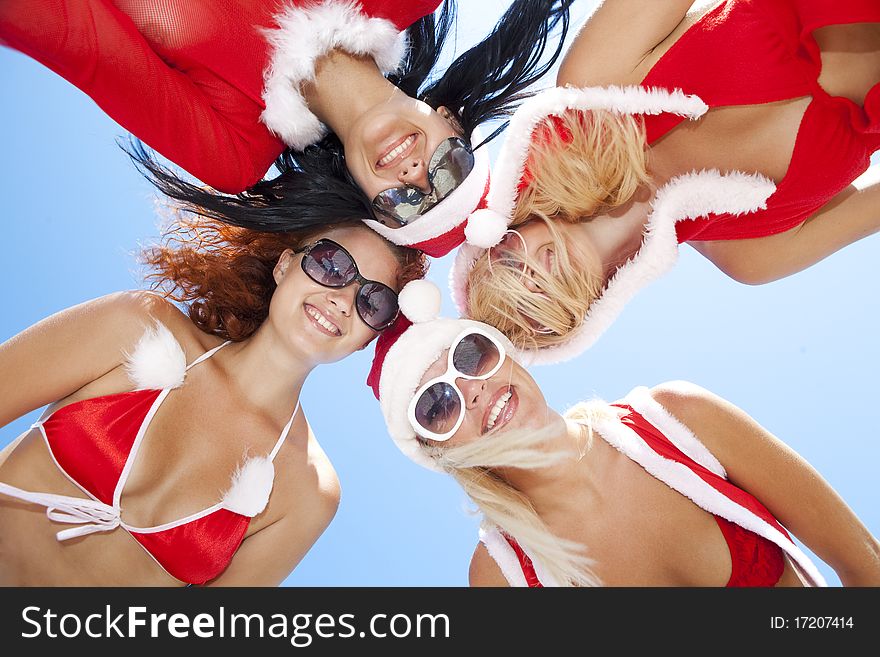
(157, 361)
(420, 301)
(485, 228)
(251, 486)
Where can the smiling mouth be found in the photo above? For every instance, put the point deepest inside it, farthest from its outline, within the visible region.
(321, 321)
(396, 151)
(502, 411)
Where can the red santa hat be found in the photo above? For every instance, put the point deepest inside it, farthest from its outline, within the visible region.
(405, 351)
(685, 197)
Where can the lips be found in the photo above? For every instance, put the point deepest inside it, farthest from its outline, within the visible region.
(501, 408)
(396, 151)
(321, 321)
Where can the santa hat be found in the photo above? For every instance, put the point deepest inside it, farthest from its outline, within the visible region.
(454, 220)
(405, 351)
(685, 197)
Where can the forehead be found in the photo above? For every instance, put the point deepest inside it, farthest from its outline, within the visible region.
(370, 251)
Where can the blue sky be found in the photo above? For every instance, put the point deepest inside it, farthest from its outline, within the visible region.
(799, 355)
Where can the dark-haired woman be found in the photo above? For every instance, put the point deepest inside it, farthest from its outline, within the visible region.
(174, 450)
(221, 88)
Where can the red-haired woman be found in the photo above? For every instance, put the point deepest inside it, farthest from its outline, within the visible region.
(154, 413)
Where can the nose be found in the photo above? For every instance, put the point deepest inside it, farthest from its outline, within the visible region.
(342, 299)
(414, 173)
(472, 389)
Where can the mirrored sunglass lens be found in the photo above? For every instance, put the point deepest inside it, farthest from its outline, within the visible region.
(438, 408)
(400, 202)
(475, 355)
(451, 170)
(377, 305)
(329, 265)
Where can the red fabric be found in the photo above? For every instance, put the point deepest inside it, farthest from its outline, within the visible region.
(755, 561)
(184, 76)
(439, 246)
(91, 441)
(383, 343)
(747, 52)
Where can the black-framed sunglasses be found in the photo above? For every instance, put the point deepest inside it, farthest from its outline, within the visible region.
(329, 264)
(450, 164)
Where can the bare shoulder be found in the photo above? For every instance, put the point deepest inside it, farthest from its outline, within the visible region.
(310, 478)
(617, 38)
(151, 307)
(690, 403)
(483, 570)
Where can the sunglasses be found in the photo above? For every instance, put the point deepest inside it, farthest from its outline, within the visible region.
(329, 264)
(437, 409)
(450, 164)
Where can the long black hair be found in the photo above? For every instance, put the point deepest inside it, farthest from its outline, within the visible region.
(314, 187)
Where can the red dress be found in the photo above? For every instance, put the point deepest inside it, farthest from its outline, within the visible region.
(184, 76)
(666, 449)
(747, 52)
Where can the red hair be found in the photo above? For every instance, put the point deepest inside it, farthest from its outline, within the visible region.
(224, 274)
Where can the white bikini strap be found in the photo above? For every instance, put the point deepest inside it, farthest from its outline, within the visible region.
(284, 433)
(207, 354)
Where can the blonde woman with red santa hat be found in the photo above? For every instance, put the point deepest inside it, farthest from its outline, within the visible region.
(670, 486)
(738, 129)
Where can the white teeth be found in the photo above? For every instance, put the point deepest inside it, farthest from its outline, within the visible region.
(323, 321)
(498, 407)
(397, 150)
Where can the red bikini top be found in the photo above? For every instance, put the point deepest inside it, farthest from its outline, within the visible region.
(746, 52)
(94, 443)
(755, 561)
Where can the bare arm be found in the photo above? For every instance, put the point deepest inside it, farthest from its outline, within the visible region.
(850, 216)
(484, 571)
(271, 554)
(785, 483)
(60, 354)
(616, 38)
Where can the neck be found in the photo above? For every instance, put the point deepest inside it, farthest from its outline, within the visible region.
(617, 235)
(266, 373)
(555, 488)
(344, 88)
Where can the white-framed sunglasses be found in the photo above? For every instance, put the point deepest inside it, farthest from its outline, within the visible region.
(437, 409)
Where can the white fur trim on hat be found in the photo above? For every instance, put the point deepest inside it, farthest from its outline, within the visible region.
(251, 487)
(157, 361)
(405, 364)
(511, 162)
(451, 211)
(485, 228)
(419, 301)
(508, 170)
(689, 196)
(304, 35)
(683, 479)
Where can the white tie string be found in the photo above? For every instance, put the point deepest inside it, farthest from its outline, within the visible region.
(92, 515)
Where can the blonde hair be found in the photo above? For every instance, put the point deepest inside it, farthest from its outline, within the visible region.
(579, 163)
(474, 466)
(582, 162)
(497, 294)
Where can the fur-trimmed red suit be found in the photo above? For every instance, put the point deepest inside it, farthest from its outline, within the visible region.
(198, 80)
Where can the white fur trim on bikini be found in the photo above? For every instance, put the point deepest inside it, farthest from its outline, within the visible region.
(503, 555)
(681, 478)
(304, 35)
(649, 408)
(157, 361)
(251, 487)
